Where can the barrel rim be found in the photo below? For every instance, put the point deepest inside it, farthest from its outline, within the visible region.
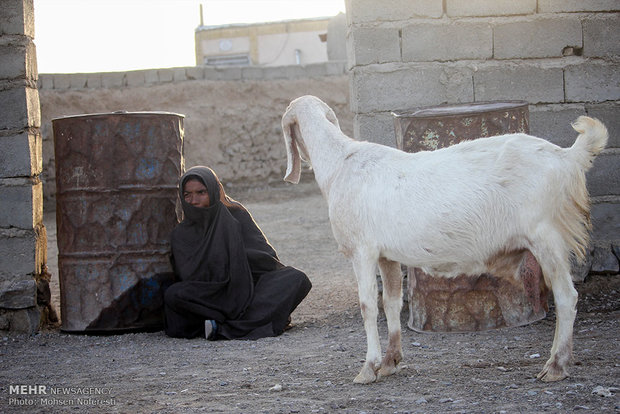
(460, 109)
(118, 113)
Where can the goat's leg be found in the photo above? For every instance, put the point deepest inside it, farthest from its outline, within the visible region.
(565, 298)
(392, 278)
(367, 289)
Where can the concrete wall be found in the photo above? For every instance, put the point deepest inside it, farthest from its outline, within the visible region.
(151, 77)
(23, 240)
(232, 115)
(560, 56)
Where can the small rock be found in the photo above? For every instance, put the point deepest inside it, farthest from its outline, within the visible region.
(276, 388)
(416, 344)
(502, 369)
(446, 400)
(602, 391)
(421, 401)
(534, 356)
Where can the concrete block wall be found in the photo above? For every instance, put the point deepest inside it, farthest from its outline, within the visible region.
(147, 77)
(561, 56)
(22, 234)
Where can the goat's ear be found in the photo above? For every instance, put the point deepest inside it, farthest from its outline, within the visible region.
(293, 160)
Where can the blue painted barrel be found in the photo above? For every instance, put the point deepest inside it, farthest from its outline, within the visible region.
(116, 179)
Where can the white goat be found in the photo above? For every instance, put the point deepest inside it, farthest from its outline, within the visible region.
(471, 208)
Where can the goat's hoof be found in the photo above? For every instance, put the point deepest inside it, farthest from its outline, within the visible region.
(366, 375)
(387, 370)
(551, 373)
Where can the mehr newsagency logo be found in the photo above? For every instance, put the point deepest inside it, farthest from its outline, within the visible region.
(45, 395)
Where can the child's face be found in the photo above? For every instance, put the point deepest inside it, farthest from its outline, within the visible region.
(196, 194)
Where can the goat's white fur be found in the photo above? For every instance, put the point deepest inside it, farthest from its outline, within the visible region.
(471, 208)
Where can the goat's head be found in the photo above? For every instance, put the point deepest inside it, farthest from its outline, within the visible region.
(312, 109)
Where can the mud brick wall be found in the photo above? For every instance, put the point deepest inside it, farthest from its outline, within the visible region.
(22, 234)
(232, 115)
(561, 56)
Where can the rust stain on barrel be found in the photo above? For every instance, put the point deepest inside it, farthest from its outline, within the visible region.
(116, 178)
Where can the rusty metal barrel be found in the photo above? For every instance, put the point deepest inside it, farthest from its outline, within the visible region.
(430, 128)
(116, 180)
(469, 302)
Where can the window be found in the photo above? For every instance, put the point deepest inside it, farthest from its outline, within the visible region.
(228, 60)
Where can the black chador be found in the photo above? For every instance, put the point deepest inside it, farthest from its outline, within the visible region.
(227, 271)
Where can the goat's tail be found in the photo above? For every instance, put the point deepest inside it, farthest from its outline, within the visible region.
(574, 215)
(590, 142)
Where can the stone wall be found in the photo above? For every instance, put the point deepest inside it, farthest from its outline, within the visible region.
(24, 289)
(232, 115)
(561, 56)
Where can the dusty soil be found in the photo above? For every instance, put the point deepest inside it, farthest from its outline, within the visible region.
(309, 369)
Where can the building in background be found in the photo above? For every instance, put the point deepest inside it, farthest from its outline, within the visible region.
(289, 42)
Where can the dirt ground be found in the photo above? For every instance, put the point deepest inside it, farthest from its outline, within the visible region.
(310, 368)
